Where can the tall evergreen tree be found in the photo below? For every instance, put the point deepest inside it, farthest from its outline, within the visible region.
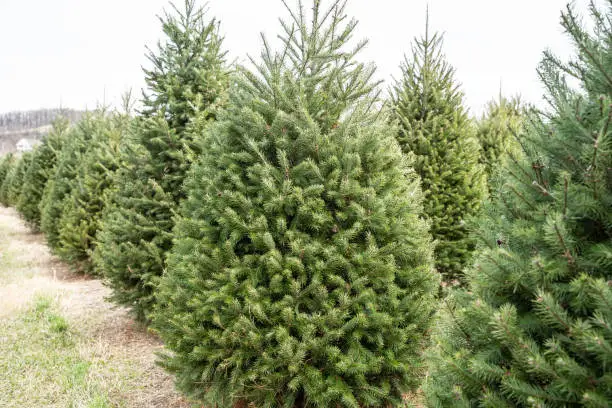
(186, 86)
(16, 183)
(7, 166)
(435, 127)
(535, 327)
(41, 169)
(94, 176)
(59, 184)
(497, 132)
(302, 270)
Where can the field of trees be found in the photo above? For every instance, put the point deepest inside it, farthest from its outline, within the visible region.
(298, 235)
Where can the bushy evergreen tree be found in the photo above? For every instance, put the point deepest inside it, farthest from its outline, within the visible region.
(301, 273)
(59, 184)
(4, 189)
(535, 327)
(6, 162)
(39, 172)
(16, 183)
(6, 165)
(497, 132)
(94, 176)
(436, 128)
(187, 86)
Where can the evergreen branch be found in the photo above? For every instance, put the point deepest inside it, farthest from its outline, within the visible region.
(518, 165)
(522, 197)
(565, 188)
(537, 168)
(541, 299)
(467, 336)
(508, 273)
(508, 333)
(602, 296)
(600, 135)
(509, 207)
(570, 23)
(542, 190)
(567, 254)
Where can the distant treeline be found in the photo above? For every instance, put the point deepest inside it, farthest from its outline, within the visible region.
(32, 119)
(33, 124)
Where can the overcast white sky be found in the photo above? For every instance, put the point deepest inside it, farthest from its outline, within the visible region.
(74, 52)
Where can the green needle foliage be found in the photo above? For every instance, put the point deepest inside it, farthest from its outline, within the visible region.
(6, 171)
(497, 133)
(4, 190)
(5, 164)
(187, 86)
(82, 208)
(301, 273)
(41, 169)
(535, 327)
(16, 183)
(59, 185)
(435, 127)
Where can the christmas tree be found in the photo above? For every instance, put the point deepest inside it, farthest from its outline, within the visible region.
(59, 184)
(435, 127)
(43, 165)
(5, 163)
(6, 166)
(301, 272)
(82, 208)
(497, 132)
(4, 189)
(534, 327)
(186, 86)
(16, 182)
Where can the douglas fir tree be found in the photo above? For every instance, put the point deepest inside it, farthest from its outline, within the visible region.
(187, 85)
(301, 274)
(535, 327)
(41, 169)
(435, 127)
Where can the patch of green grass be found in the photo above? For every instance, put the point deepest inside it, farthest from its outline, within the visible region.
(41, 305)
(57, 323)
(41, 365)
(98, 402)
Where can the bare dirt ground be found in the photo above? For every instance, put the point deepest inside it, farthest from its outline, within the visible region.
(110, 340)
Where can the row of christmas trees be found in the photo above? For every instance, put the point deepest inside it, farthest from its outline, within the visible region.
(297, 240)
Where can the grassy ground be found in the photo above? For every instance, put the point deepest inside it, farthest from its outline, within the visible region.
(61, 343)
(42, 366)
